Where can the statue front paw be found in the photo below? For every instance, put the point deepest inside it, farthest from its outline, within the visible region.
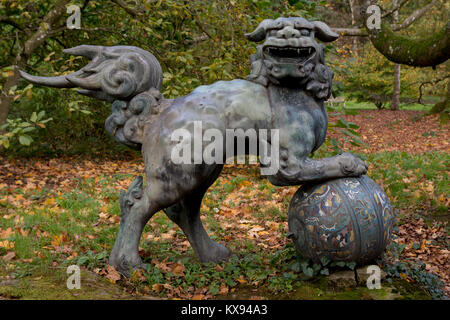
(352, 166)
(124, 263)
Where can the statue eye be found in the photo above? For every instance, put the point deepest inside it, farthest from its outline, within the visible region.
(304, 32)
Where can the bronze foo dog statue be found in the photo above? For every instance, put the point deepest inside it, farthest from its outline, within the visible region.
(285, 91)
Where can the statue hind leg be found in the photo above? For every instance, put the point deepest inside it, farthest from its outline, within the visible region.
(165, 189)
(186, 214)
(136, 210)
(137, 205)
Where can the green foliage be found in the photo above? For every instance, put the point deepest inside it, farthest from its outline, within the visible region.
(311, 269)
(413, 179)
(369, 77)
(92, 259)
(196, 42)
(414, 270)
(346, 129)
(77, 124)
(357, 106)
(18, 129)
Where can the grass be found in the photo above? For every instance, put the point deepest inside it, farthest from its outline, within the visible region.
(242, 210)
(52, 286)
(354, 105)
(420, 181)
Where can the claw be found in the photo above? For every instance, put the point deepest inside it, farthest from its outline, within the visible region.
(85, 50)
(72, 80)
(96, 94)
(55, 82)
(90, 83)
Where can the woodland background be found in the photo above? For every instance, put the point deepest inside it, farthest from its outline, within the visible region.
(196, 42)
(60, 173)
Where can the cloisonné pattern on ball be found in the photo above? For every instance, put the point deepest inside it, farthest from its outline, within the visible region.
(346, 219)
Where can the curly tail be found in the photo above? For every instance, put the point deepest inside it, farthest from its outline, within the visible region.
(128, 76)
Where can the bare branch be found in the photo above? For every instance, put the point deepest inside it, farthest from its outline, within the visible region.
(45, 27)
(11, 22)
(56, 31)
(125, 7)
(126, 35)
(351, 32)
(416, 15)
(396, 8)
(24, 53)
(427, 51)
(419, 100)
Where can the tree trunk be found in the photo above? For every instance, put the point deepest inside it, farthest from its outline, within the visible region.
(7, 99)
(24, 53)
(355, 10)
(396, 94)
(428, 51)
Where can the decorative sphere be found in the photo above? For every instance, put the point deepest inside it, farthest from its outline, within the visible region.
(345, 219)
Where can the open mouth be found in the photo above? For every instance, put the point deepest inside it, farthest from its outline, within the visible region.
(293, 54)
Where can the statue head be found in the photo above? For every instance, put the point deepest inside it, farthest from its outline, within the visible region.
(290, 54)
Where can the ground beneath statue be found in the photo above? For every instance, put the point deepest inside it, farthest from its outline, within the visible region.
(61, 210)
(404, 130)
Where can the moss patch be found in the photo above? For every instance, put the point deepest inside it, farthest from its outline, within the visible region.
(47, 287)
(317, 289)
(410, 291)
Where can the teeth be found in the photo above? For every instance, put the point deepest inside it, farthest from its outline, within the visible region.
(290, 51)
